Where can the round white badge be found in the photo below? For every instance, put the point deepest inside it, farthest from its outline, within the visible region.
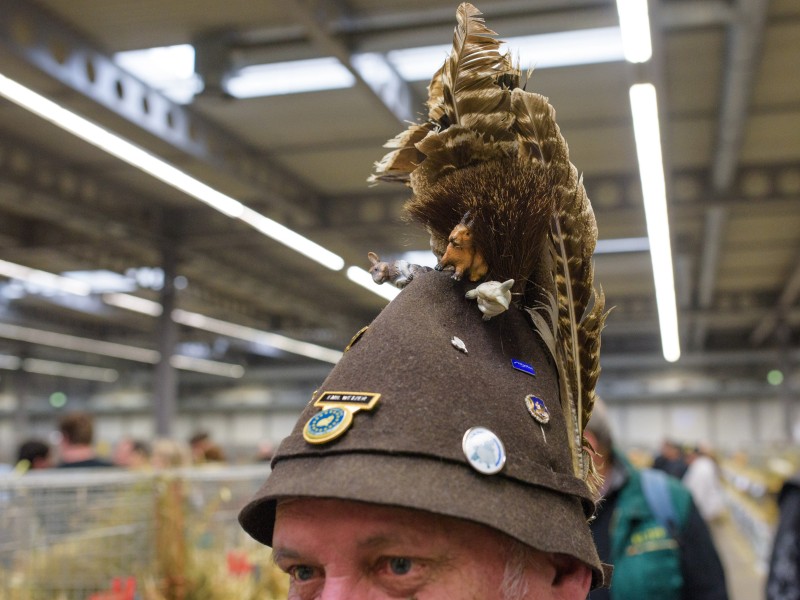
(484, 450)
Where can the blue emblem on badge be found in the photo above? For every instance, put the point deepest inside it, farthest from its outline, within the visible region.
(523, 366)
(328, 424)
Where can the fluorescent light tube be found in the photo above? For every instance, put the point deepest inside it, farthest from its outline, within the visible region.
(73, 371)
(292, 239)
(44, 279)
(151, 164)
(117, 146)
(198, 321)
(201, 365)
(169, 69)
(133, 303)
(622, 245)
(364, 279)
(290, 77)
(79, 344)
(133, 353)
(651, 170)
(548, 50)
(250, 334)
(635, 25)
(11, 363)
(567, 48)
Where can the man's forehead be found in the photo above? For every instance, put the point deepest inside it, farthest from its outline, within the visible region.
(355, 509)
(378, 524)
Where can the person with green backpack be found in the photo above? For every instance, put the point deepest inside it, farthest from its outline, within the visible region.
(649, 529)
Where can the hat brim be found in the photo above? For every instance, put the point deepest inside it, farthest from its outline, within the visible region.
(536, 516)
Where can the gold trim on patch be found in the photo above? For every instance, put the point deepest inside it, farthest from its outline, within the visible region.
(356, 337)
(354, 401)
(336, 415)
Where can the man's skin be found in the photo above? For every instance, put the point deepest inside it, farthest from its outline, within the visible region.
(344, 550)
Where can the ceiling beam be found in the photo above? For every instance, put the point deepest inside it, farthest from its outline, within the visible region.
(745, 37)
(782, 310)
(689, 14)
(90, 212)
(45, 42)
(714, 226)
(394, 94)
(613, 191)
(633, 362)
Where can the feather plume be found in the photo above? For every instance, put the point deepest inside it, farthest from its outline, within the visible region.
(494, 151)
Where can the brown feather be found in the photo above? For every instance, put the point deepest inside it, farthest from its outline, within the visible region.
(468, 90)
(398, 165)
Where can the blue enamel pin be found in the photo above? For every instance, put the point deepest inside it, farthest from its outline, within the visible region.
(523, 366)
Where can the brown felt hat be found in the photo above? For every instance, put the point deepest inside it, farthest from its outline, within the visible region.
(461, 406)
(407, 450)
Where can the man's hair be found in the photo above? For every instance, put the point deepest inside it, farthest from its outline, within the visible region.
(521, 560)
(515, 577)
(600, 426)
(77, 428)
(31, 450)
(140, 447)
(199, 437)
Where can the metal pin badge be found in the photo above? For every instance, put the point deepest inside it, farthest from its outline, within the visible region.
(484, 450)
(538, 409)
(336, 415)
(523, 366)
(356, 337)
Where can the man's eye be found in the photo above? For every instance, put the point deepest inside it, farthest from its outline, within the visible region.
(302, 573)
(400, 565)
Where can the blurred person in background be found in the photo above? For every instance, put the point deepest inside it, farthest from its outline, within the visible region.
(265, 452)
(649, 529)
(132, 454)
(703, 481)
(75, 448)
(671, 459)
(783, 582)
(170, 454)
(34, 454)
(199, 442)
(214, 454)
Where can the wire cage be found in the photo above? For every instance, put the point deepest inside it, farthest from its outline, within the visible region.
(116, 535)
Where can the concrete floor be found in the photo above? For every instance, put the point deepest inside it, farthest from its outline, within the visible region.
(745, 578)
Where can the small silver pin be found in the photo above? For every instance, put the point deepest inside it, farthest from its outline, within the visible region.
(459, 344)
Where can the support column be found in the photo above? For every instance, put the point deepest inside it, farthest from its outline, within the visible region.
(166, 382)
(21, 416)
(783, 334)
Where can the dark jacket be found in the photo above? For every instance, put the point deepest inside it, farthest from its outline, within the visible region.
(783, 582)
(650, 561)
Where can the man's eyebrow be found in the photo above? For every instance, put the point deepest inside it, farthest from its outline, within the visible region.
(383, 540)
(279, 554)
(376, 542)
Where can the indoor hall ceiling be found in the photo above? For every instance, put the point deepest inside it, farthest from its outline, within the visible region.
(730, 127)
